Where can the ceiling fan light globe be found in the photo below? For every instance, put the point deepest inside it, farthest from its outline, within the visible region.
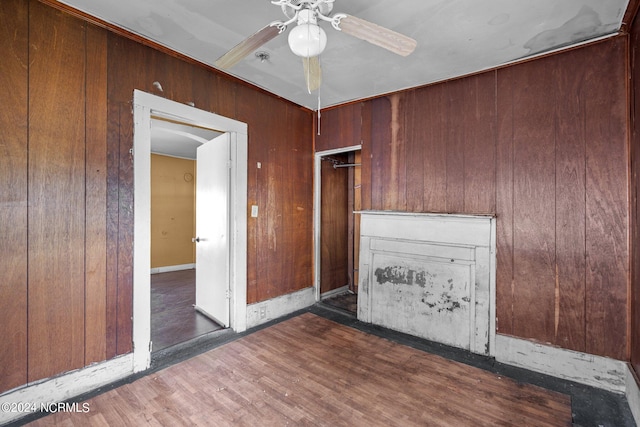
(307, 40)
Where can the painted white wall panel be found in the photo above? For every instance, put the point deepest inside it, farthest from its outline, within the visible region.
(429, 275)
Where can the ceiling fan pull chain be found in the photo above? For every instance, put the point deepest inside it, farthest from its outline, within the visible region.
(319, 114)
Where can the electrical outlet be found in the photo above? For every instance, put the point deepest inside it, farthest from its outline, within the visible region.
(263, 312)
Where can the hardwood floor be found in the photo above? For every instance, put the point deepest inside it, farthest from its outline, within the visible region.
(173, 318)
(309, 370)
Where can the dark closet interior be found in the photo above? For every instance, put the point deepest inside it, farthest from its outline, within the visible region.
(340, 230)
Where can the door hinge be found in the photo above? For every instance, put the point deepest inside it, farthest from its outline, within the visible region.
(228, 294)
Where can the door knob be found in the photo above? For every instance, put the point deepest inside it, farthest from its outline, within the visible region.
(195, 239)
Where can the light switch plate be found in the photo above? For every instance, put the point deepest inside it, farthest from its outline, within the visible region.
(254, 211)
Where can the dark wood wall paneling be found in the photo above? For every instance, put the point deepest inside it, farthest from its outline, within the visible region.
(532, 136)
(56, 192)
(334, 225)
(635, 189)
(339, 127)
(606, 117)
(66, 152)
(543, 146)
(96, 196)
(65, 145)
(297, 178)
(280, 238)
(14, 52)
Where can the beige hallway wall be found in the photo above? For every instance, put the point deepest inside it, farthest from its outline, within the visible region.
(173, 200)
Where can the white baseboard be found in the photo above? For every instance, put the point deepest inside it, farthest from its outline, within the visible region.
(64, 387)
(602, 372)
(172, 268)
(342, 290)
(264, 311)
(633, 395)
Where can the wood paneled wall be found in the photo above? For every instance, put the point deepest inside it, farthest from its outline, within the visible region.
(334, 225)
(66, 185)
(543, 146)
(635, 188)
(13, 192)
(56, 184)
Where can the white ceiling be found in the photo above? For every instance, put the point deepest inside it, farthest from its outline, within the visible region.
(176, 139)
(455, 37)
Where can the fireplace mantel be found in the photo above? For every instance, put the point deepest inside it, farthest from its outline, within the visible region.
(429, 275)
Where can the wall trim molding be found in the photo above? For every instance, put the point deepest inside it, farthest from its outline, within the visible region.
(265, 311)
(596, 371)
(64, 387)
(170, 268)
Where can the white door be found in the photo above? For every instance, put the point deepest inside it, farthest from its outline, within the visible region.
(212, 229)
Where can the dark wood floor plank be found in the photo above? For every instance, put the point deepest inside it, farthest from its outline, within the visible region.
(311, 371)
(173, 318)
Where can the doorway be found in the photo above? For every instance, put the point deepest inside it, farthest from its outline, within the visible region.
(174, 161)
(337, 195)
(146, 107)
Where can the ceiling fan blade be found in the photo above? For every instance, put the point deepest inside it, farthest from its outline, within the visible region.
(312, 73)
(245, 47)
(380, 36)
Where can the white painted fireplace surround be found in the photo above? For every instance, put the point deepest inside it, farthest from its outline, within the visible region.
(430, 275)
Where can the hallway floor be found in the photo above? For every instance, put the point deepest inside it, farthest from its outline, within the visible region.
(173, 317)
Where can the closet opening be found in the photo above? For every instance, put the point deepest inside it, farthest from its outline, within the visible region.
(338, 226)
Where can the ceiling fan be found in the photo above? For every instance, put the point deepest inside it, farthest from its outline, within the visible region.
(308, 40)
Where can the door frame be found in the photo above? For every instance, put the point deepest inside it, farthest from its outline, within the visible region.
(144, 106)
(317, 211)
